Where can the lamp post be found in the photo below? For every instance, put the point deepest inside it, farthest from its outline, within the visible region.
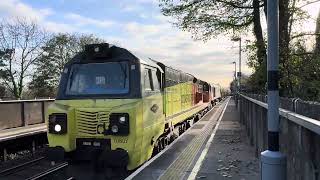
(239, 75)
(235, 77)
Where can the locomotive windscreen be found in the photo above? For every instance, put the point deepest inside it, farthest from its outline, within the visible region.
(98, 78)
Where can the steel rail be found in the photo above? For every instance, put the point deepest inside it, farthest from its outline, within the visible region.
(49, 171)
(15, 168)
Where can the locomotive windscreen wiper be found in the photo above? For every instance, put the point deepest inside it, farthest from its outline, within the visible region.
(123, 69)
(74, 70)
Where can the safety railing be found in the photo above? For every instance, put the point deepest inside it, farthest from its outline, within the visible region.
(307, 108)
(19, 113)
(299, 136)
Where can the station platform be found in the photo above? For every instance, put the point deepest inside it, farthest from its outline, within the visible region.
(19, 132)
(216, 147)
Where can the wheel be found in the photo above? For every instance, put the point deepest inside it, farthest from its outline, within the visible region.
(157, 148)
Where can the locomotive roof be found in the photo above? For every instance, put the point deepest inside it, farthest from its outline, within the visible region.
(114, 52)
(148, 61)
(109, 52)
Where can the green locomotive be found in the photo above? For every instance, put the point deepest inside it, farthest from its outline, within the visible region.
(119, 109)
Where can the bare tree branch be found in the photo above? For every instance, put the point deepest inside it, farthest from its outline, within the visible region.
(305, 34)
(308, 3)
(27, 40)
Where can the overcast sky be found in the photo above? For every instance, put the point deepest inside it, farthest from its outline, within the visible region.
(139, 26)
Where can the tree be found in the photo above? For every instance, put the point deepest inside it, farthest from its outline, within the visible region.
(20, 46)
(57, 52)
(2, 91)
(206, 19)
(317, 33)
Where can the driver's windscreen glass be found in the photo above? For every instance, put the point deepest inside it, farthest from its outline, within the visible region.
(98, 79)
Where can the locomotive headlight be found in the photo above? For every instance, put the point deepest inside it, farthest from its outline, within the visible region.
(57, 127)
(122, 119)
(57, 123)
(114, 129)
(119, 124)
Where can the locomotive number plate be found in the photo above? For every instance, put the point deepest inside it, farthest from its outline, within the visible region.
(120, 140)
(94, 143)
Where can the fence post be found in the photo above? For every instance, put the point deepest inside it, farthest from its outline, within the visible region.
(43, 111)
(253, 122)
(23, 119)
(241, 107)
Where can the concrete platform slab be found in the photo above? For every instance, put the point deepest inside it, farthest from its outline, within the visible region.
(19, 132)
(228, 154)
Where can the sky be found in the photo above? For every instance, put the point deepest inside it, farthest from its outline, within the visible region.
(139, 26)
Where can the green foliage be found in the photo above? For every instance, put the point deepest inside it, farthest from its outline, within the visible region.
(256, 83)
(306, 72)
(57, 51)
(299, 67)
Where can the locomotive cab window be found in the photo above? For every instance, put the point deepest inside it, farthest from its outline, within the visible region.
(155, 81)
(148, 85)
(98, 79)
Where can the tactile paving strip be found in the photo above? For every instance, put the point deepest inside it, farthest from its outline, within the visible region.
(177, 169)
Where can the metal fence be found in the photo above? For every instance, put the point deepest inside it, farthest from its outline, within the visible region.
(299, 135)
(18, 113)
(306, 108)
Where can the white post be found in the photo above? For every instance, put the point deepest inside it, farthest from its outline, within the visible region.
(273, 162)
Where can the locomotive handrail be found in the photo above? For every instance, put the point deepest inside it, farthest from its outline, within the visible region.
(306, 122)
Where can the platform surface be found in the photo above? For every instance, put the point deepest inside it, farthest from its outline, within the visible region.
(230, 155)
(13, 133)
(216, 147)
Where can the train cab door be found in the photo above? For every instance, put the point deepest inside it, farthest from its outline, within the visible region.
(153, 116)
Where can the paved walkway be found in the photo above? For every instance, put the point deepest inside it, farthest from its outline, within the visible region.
(229, 155)
(215, 148)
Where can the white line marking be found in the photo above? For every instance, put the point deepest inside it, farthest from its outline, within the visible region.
(185, 149)
(136, 172)
(198, 164)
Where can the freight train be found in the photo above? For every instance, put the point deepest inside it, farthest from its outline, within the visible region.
(118, 109)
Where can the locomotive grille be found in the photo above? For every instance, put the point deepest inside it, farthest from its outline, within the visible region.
(88, 121)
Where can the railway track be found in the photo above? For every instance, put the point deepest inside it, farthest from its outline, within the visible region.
(16, 168)
(34, 169)
(49, 172)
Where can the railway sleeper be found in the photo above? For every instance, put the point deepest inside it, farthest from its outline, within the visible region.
(28, 144)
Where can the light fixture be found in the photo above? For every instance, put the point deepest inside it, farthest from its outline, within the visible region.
(114, 129)
(122, 119)
(57, 127)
